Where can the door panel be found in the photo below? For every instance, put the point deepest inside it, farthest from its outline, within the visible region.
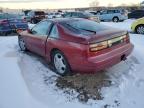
(103, 15)
(36, 44)
(36, 40)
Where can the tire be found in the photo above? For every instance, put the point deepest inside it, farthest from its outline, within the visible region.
(60, 63)
(140, 29)
(115, 19)
(22, 44)
(33, 21)
(54, 17)
(3, 33)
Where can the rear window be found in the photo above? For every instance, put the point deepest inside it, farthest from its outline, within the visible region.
(39, 13)
(84, 25)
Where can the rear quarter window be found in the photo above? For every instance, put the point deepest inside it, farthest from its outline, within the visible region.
(54, 32)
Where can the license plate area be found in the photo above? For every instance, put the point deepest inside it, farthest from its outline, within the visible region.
(115, 41)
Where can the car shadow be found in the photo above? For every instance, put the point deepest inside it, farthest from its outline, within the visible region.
(86, 86)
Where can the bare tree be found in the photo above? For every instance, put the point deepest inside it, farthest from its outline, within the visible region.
(94, 3)
(1, 9)
(110, 5)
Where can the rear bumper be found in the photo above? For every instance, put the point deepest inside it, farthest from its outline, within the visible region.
(103, 61)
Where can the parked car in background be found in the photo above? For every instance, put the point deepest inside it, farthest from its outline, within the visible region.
(35, 16)
(10, 23)
(85, 15)
(114, 15)
(92, 12)
(138, 26)
(136, 14)
(53, 15)
(77, 45)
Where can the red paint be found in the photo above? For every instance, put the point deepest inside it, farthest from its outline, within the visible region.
(76, 48)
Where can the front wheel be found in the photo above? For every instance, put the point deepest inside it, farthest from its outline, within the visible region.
(115, 19)
(60, 63)
(22, 44)
(140, 29)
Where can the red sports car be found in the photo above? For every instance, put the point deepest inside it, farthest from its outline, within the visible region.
(76, 45)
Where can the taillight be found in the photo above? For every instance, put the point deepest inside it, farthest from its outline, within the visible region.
(3, 22)
(109, 43)
(126, 38)
(91, 18)
(99, 46)
(24, 20)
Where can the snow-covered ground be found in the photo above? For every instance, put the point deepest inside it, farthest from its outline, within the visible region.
(27, 82)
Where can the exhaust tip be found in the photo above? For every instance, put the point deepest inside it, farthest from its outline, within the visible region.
(123, 57)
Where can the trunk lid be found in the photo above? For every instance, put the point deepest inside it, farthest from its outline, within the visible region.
(105, 35)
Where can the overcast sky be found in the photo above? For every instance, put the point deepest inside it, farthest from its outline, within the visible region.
(53, 4)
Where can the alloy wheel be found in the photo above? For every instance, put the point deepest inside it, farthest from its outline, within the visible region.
(140, 29)
(22, 44)
(115, 19)
(59, 63)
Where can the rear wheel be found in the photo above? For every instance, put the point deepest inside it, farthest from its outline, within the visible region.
(115, 19)
(140, 29)
(60, 63)
(22, 44)
(3, 33)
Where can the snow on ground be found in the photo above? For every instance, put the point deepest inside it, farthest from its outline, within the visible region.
(125, 25)
(31, 25)
(27, 82)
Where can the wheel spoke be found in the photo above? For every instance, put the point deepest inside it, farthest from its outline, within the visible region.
(140, 30)
(22, 44)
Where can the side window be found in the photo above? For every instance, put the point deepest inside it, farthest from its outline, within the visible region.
(54, 32)
(41, 29)
(110, 11)
(81, 15)
(31, 13)
(104, 12)
(75, 14)
(140, 12)
(68, 15)
(117, 11)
